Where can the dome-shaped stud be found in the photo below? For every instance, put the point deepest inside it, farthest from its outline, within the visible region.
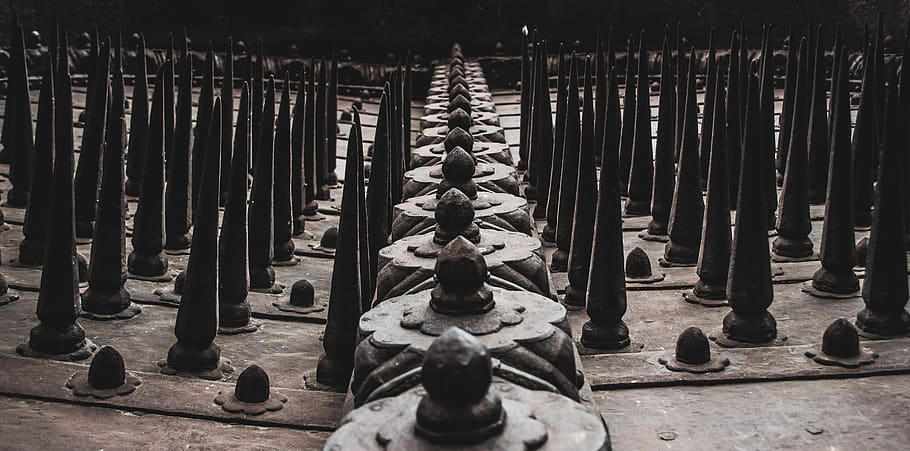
(454, 217)
(106, 378)
(458, 169)
(460, 102)
(252, 395)
(328, 241)
(693, 354)
(459, 89)
(458, 137)
(459, 118)
(638, 268)
(841, 347)
(459, 407)
(302, 299)
(179, 281)
(461, 275)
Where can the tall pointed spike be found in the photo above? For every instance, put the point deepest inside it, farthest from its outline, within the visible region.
(785, 120)
(147, 257)
(256, 97)
(19, 141)
(664, 170)
(526, 89)
(613, 126)
(627, 136)
(284, 244)
(688, 208)
(227, 119)
(543, 141)
(734, 122)
(794, 223)
(767, 124)
(584, 199)
(203, 122)
(86, 182)
(35, 226)
(345, 299)
(139, 121)
(885, 284)
(331, 117)
(233, 255)
(197, 316)
(106, 298)
(298, 174)
(641, 175)
(310, 160)
(552, 208)
(600, 95)
(169, 100)
(261, 230)
(714, 252)
(606, 290)
(864, 146)
(58, 335)
(681, 85)
(818, 128)
(569, 178)
(322, 155)
(378, 199)
(355, 156)
(749, 290)
(837, 250)
(178, 201)
(704, 150)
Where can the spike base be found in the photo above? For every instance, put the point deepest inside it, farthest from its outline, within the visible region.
(205, 363)
(178, 244)
(605, 337)
(785, 249)
(648, 236)
(740, 331)
(102, 306)
(147, 265)
(864, 357)
(330, 375)
(559, 261)
(635, 207)
(68, 344)
(708, 295)
(80, 386)
(679, 255)
(878, 326)
(711, 366)
(31, 252)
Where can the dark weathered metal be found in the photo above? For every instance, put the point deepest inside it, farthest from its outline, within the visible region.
(204, 121)
(818, 128)
(355, 154)
(885, 282)
(688, 208)
(568, 181)
(106, 378)
(664, 167)
(252, 395)
(606, 305)
(681, 86)
(177, 199)
(35, 226)
(227, 119)
(346, 298)
(197, 316)
(766, 109)
(58, 335)
(530, 175)
(331, 118)
(543, 140)
(704, 143)
(281, 189)
(641, 175)
(627, 136)
(257, 79)
(734, 120)
(147, 258)
(139, 122)
(837, 247)
(106, 298)
(378, 199)
(693, 354)
(86, 182)
(322, 132)
(233, 254)
(298, 174)
(714, 252)
(526, 89)
(785, 120)
(904, 91)
(552, 208)
(793, 223)
(169, 100)
(613, 126)
(310, 166)
(841, 347)
(261, 230)
(600, 95)
(19, 133)
(585, 201)
(749, 290)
